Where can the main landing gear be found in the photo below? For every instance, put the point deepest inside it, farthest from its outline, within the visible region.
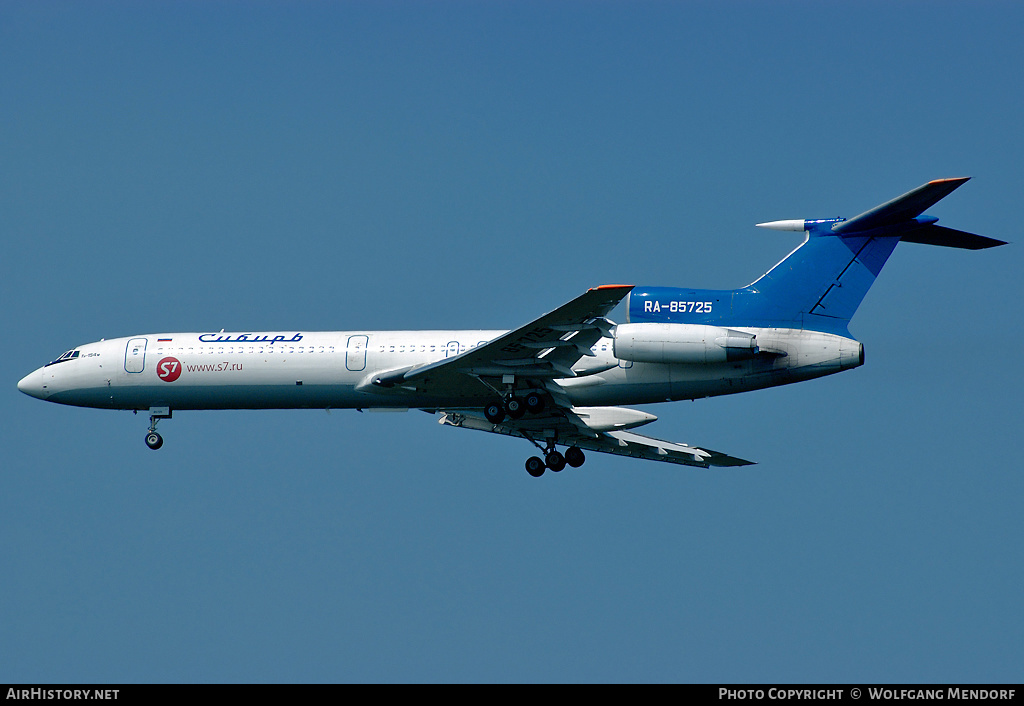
(553, 459)
(153, 439)
(514, 406)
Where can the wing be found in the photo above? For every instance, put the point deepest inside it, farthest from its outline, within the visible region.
(574, 427)
(544, 349)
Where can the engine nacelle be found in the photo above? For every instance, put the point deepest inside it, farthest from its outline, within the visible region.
(682, 343)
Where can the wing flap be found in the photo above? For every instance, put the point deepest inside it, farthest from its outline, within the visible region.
(659, 450)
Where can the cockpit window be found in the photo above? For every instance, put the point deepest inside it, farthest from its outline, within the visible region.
(70, 355)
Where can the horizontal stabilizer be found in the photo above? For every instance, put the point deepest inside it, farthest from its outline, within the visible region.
(902, 208)
(949, 238)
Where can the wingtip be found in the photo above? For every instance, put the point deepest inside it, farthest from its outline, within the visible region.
(959, 180)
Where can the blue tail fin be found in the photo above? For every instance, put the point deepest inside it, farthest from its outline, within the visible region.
(819, 285)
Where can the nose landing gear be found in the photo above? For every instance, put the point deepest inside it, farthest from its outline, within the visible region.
(153, 439)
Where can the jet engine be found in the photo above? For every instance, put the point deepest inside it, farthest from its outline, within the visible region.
(682, 343)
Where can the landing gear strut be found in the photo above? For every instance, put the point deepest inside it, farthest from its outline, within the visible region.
(154, 440)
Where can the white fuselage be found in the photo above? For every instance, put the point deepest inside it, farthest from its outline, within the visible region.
(284, 370)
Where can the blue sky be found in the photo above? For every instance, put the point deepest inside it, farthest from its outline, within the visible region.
(319, 166)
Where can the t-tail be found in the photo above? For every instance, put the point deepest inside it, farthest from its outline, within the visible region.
(818, 286)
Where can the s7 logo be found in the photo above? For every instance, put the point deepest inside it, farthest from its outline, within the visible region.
(168, 369)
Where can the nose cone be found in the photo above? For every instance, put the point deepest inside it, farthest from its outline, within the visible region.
(32, 385)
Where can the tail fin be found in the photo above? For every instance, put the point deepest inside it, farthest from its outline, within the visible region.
(819, 285)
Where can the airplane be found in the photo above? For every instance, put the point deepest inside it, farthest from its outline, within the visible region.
(557, 381)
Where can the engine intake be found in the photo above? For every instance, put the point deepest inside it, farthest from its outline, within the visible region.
(682, 343)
